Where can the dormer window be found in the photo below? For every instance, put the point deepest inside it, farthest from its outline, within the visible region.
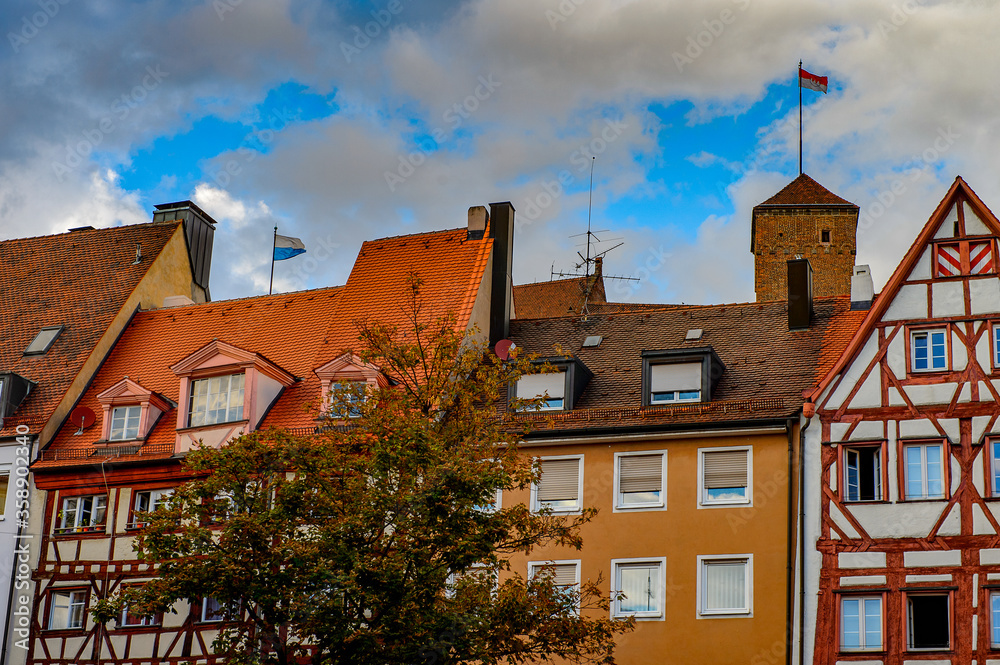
(559, 390)
(217, 399)
(351, 380)
(130, 411)
(225, 391)
(679, 376)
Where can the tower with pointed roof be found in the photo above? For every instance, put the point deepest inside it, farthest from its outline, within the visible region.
(803, 220)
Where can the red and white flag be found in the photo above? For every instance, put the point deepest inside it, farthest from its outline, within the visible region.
(811, 81)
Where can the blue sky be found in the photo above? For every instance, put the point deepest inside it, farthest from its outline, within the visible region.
(345, 121)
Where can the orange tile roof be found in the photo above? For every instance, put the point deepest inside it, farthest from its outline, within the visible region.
(298, 331)
(806, 191)
(81, 280)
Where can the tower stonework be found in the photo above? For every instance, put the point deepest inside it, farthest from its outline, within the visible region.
(803, 220)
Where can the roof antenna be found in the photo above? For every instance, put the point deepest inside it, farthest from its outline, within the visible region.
(138, 254)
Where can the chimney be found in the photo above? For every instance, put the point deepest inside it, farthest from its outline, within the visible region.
(199, 230)
(862, 288)
(501, 218)
(800, 284)
(478, 216)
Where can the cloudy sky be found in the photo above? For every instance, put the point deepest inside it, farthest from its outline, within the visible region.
(344, 121)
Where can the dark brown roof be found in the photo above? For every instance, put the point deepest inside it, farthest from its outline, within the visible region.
(559, 297)
(80, 280)
(767, 367)
(806, 191)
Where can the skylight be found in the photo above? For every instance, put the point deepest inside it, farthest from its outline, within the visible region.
(43, 340)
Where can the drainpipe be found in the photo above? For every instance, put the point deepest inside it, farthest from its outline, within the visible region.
(808, 410)
(790, 547)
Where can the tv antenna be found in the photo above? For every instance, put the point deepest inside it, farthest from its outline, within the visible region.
(593, 261)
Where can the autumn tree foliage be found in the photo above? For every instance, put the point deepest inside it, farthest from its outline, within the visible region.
(376, 539)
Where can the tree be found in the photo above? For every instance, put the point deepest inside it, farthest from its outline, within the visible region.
(376, 540)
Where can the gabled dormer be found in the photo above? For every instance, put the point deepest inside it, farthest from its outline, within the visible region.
(130, 411)
(559, 390)
(224, 391)
(347, 370)
(678, 376)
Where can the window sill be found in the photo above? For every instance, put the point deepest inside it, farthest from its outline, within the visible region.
(934, 500)
(83, 531)
(638, 617)
(746, 614)
(727, 504)
(199, 428)
(63, 631)
(866, 502)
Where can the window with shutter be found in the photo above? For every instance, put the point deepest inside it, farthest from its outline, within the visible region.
(559, 487)
(551, 387)
(565, 574)
(725, 476)
(639, 479)
(675, 382)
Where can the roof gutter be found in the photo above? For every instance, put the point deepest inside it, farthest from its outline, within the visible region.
(777, 427)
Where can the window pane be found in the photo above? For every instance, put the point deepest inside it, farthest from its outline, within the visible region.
(929, 622)
(996, 466)
(725, 585)
(850, 622)
(995, 618)
(853, 484)
(4, 484)
(914, 472)
(938, 360)
(873, 623)
(639, 584)
(920, 351)
(935, 477)
(217, 399)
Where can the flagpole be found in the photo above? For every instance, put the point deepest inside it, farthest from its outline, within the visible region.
(800, 117)
(274, 245)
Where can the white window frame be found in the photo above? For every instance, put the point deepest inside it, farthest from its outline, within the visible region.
(536, 507)
(861, 622)
(619, 504)
(928, 332)
(877, 450)
(474, 569)
(675, 396)
(617, 565)
(353, 401)
(98, 502)
(204, 610)
(75, 599)
(703, 500)
(157, 499)
(993, 469)
(145, 621)
(534, 565)
(945, 460)
(995, 619)
(128, 410)
(703, 562)
(995, 340)
(5, 470)
(241, 406)
(545, 404)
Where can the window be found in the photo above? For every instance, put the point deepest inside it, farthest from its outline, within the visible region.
(219, 508)
(675, 382)
(995, 619)
(82, 514)
(994, 469)
(148, 501)
(560, 485)
(639, 480)
(212, 609)
(924, 470)
(928, 622)
(67, 609)
(565, 575)
(861, 623)
(218, 399)
(125, 423)
(43, 341)
(551, 387)
(4, 485)
(476, 573)
(996, 345)
(824, 236)
(725, 585)
(132, 619)
(928, 351)
(642, 588)
(863, 473)
(724, 476)
(345, 398)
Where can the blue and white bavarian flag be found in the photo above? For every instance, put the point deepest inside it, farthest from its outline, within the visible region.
(285, 247)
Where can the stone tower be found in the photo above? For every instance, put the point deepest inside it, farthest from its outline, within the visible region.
(803, 220)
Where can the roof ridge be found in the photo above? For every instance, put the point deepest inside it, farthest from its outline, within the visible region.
(172, 222)
(412, 235)
(244, 299)
(800, 190)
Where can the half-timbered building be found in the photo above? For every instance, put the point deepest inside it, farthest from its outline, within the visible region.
(902, 528)
(209, 372)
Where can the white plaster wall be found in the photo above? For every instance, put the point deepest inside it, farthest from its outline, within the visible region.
(959, 354)
(123, 548)
(956, 471)
(947, 228)
(978, 477)
(894, 397)
(932, 558)
(983, 351)
(909, 303)
(980, 525)
(922, 269)
(896, 355)
(862, 580)
(812, 559)
(838, 430)
(974, 226)
(984, 295)
(989, 557)
(899, 520)
(94, 549)
(861, 560)
(935, 393)
(948, 299)
(965, 393)
(952, 525)
(869, 395)
(841, 521)
(124, 503)
(868, 429)
(917, 427)
(267, 390)
(951, 427)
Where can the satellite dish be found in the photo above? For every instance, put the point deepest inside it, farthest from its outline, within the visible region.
(503, 348)
(83, 417)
